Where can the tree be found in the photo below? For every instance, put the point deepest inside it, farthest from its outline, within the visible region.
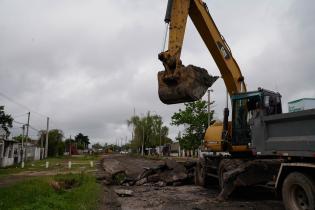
(195, 119)
(148, 130)
(68, 143)
(56, 146)
(5, 121)
(20, 137)
(82, 141)
(97, 146)
(41, 138)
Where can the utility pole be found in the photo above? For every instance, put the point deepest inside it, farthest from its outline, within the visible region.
(46, 142)
(28, 124)
(41, 141)
(23, 129)
(70, 146)
(142, 140)
(22, 152)
(209, 102)
(160, 140)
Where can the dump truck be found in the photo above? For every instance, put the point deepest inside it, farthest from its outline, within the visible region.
(261, 145)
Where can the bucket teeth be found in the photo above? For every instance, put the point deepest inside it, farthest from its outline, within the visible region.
(185, 84)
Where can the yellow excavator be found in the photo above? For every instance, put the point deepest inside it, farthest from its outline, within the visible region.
(178, 83)
(261, 145)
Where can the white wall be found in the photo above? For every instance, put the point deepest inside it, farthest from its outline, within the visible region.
(309, 104)
(301, 105)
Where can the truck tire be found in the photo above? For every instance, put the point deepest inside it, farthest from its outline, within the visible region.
(200, 176)
(298, 192)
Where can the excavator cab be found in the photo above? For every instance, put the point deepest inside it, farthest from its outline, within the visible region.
(248, 106)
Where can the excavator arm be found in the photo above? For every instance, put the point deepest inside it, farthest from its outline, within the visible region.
(178, 83)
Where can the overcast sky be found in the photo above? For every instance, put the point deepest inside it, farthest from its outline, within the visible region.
(88, 64)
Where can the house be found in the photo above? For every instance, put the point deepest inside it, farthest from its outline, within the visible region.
(10, 152)
(175, 149)
(32, 152)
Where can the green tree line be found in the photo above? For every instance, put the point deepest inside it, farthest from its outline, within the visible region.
(149, 131)
(194, 117)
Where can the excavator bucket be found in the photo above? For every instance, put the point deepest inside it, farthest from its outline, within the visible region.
(185, 84)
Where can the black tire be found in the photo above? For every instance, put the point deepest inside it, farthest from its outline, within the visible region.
(200, 177)
(298, 192)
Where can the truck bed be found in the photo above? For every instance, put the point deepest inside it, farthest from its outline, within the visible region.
(289, 134)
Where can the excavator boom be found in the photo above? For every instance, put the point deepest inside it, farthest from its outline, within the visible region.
(178, 83)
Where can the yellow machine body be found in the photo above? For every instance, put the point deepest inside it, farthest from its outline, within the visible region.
(178, 83)
(213, 140)
(213, 137)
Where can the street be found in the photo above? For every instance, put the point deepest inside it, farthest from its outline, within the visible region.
(182, 197)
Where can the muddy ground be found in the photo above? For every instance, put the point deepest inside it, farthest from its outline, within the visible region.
(183, 197)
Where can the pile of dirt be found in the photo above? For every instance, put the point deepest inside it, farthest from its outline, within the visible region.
(163, 173)
(184, 84)
(60, 183)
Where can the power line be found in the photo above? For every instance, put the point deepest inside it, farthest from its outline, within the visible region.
(35, 129)
(15, 127)
(20, 115)
(19, 122)
(21, 105)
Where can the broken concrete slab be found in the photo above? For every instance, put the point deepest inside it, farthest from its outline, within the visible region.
(171, 164)
(154, 178)
(119, 178)
(141, 181)
(166, 173)
(248, 174)
(112, 166)
(173, 176)
(160, 184)
(124, 192)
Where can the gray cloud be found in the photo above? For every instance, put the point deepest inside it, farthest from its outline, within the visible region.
(88, 64)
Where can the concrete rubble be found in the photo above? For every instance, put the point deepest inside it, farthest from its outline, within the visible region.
(167, 173)
(133, 183)
(124, 192)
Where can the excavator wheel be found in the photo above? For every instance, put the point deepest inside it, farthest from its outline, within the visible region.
(185, 84)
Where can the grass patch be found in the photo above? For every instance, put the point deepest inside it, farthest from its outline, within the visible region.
(79, 191)
(58, 163)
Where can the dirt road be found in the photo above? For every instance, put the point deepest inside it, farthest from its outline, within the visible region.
(149, 196)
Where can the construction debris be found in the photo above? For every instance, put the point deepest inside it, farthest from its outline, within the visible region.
(124, 192)
(168, 173)
(248, 174)
(184, 84)
(156, 195)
